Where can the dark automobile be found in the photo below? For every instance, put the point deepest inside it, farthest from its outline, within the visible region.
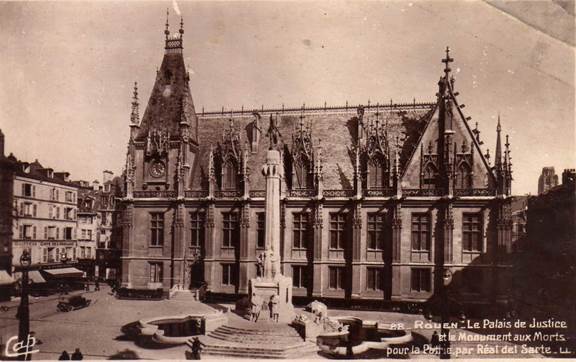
(72, 303)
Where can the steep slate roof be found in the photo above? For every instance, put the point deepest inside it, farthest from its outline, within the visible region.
(334, 129)
(170, 96)
(35, 172)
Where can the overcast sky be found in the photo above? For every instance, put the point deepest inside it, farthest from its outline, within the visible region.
(67, 70)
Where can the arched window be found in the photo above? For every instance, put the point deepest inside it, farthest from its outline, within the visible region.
(302, 178)
(464, 177)
(377, 174)
(229, 175)
(430, 175)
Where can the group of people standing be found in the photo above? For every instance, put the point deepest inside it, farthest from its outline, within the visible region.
(259, 304)
(76, 356)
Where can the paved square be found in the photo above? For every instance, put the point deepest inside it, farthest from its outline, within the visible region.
(96, 330)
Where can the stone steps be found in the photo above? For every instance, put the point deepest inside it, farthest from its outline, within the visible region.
(243, 350)
(252, 338)
(256, 340)
(279, 331)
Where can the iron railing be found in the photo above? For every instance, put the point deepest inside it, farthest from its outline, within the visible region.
(196, 193)
(258, 193)
(227, 193)
(379, 192)
(154, 193)
(302, 193)
(338, 193)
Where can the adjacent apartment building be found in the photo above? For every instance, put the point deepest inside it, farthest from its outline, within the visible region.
(379, 202)
(97, 234)
(45, 214)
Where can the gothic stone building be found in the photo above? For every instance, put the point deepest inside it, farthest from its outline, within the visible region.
(378, 202)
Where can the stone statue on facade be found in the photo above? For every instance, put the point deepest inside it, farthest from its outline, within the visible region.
(273, 133)
(260, 265)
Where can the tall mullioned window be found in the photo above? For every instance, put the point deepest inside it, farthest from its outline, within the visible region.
(430, 175)
(299, 276)
(336, 277)
(228, 274)
(463, 177)
(377, 174)
(472, 232)
(421, 231)
(260, 230)
(300, 230)
(337, 230)
(302, 178)
(156, 272)
(420, 280)
(196, 229)
(374, 279)
(156, 229)
(229, 176)
(376, 231)
(230, 233)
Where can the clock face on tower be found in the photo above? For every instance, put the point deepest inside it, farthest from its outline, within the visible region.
(157, 169)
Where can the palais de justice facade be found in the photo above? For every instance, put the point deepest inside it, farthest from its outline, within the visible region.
(377, 201)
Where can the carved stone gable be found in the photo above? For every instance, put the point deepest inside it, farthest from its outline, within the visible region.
(376, 146)
(230, 149)
(302, 148)
(157, 143)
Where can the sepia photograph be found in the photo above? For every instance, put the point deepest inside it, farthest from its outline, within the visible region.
(300, 180)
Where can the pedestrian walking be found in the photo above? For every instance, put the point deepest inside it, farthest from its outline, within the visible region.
(96, 285)
(64, 356)
(435, 341)
(77, 355)
(87, 286)
(196, 348)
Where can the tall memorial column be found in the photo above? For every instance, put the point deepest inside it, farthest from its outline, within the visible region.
(272, 285)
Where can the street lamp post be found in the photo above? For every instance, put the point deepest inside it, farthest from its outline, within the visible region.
(64, 256)
(23, 309)
(445, 333)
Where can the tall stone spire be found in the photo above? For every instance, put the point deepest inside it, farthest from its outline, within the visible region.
(508, 167)
(134, 115)
(447, 114)
(498, 155)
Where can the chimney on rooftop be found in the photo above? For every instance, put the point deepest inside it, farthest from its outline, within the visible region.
(107, 176)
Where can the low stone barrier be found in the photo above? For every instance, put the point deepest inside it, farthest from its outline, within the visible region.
(150, 328)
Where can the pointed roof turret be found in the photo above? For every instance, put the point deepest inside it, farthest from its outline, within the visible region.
(170, 103)
(447, 62)
(507, 163)
(498, 153)
(135, 116)
(167, 30)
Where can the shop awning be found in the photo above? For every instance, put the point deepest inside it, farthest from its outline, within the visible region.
(35, 277)
(5, 278)
(65, 273)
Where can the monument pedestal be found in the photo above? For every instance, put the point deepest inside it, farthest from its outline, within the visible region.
(280, 286)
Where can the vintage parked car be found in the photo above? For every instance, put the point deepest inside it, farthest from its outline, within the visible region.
(72, 303)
